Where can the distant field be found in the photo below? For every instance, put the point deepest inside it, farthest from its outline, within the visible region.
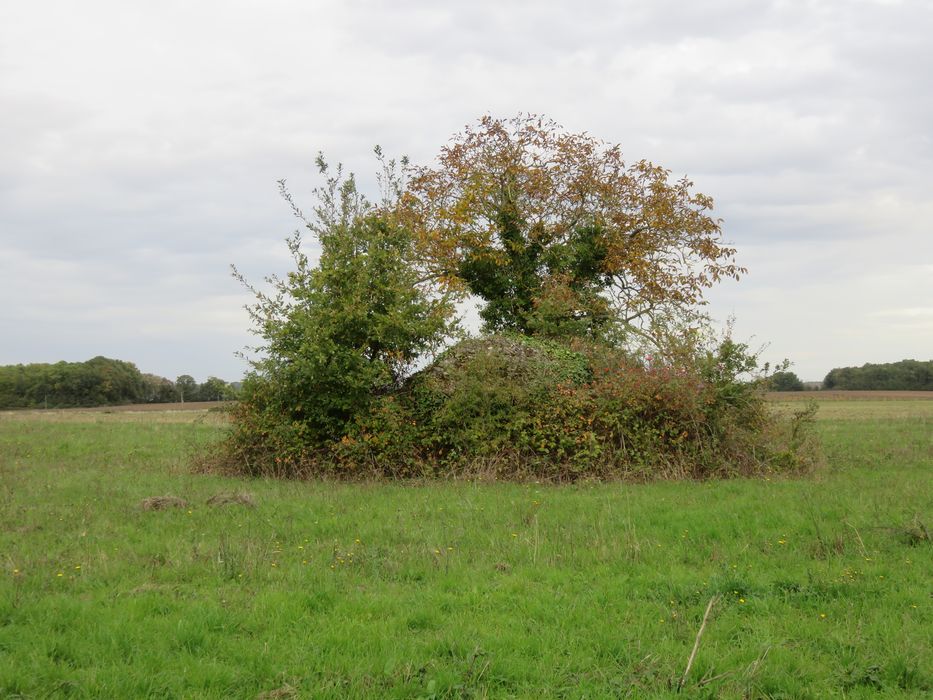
(865, 409)
(850, 395)
(135, 407)
(187, 413)
(458, 590)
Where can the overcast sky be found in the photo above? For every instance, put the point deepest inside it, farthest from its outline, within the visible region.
(140, 144)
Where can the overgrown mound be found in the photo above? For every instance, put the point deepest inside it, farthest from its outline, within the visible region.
(578, 260)
(514, 407)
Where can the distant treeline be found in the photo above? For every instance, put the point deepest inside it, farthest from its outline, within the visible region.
(99, 382)
(906, 375)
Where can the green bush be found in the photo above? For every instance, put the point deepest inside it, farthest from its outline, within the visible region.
(339, 335)
(508, 407)
(592, 411)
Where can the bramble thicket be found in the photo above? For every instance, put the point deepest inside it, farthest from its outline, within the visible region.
(594, 360)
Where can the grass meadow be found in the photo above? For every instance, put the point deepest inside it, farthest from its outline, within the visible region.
(823, 586)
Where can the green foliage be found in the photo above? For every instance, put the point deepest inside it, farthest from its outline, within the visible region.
(906, 375)
(477, 402)
(158, 389)
(216, 389)
(563, 302)
(99, 381)
(338, 335)
(186, 388)
(510, 406)
(785, 381)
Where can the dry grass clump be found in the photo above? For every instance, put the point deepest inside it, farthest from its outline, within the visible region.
(286, 691)
(236, 498)
(162, 502)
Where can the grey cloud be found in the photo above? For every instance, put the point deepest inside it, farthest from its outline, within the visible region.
(142, 144)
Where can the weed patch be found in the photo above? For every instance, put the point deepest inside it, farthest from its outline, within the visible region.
(233, 498)
(162, 503)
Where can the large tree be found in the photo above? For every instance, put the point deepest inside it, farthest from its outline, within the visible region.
(186, 388)
(558, 235)
(785, 381)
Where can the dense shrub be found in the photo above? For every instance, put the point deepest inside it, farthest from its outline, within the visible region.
(518, 407)
(339, 336)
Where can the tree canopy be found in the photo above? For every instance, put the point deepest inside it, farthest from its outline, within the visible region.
(98, 382)
(906, 375)
(786, 381)
(558, 235)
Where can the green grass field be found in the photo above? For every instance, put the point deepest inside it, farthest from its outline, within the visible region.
(460, 590)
